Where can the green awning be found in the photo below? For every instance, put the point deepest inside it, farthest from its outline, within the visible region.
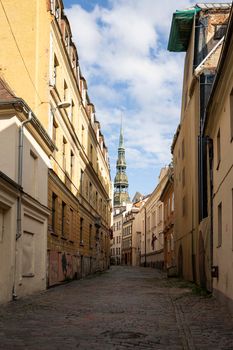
(181, 28)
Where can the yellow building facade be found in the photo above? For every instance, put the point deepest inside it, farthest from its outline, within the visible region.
(202, 41)
(218, 128)
(40, 62)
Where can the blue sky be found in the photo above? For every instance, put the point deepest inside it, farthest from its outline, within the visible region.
(123, 56)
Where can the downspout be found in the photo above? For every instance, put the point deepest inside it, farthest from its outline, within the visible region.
(210, 149)
(20, 173)
(19, 201)
(145, 238)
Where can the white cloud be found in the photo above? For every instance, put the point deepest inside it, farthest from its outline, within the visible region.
(125, 45)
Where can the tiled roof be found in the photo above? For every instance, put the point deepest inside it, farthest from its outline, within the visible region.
(210, 5)
(5, 92)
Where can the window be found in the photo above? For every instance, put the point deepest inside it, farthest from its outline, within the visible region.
(165, 212)
(101, 205)
(54, 131)
(220, 31)
(55, 71)
(218, 149)
(231, 114)
(182, 149)
(81, 181)
(71, 223)
(172, 206)
(232, 216)
(1, 224)
(65, 92)
(82, 136)
(71, 116)
(91, 154)
(160, 213)
(90, 236)
(71, 164)
(90, 192)
(96, 198)
(63, 218)
(183, 177)
(28, 254)
(81, 230)
(67, 39)
(220, 225)
(54, 209)
(33, 175)
(183, 206)
(64, 154)
(172, 242)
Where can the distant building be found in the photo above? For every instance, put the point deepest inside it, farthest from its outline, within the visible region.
(137, 197)
(118, 215)
(130, 248)
(167, 198)
(152, 216)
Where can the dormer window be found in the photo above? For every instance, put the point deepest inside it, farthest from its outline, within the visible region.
(220, 31)
(56, 9)
(73, 63)
(57, 12)
(67, 39)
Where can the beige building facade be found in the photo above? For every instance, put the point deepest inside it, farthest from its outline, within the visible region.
(202, 41)
(24, 160)
(118, 215)
(218, 127)
(151, 214)
(51, 82)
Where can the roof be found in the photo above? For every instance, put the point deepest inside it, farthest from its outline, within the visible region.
(221, 63)
(182, 22)
(6, 93)
(168, 185)
(7, 97)
(211, 5)
(181, 27)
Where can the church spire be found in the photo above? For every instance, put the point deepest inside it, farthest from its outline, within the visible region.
(121, 196)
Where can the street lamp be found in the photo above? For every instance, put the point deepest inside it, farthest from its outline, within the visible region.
(63, 104)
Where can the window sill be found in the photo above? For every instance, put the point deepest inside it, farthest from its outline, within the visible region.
(64, 238)
(54, 234)
(28, 275)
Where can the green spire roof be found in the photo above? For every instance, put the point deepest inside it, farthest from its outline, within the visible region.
(121, 195)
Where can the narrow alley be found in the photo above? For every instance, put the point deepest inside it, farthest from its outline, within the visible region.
(123, 308)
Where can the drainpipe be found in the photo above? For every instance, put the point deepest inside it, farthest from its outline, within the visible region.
(210, 149)
(145, 238)
(19, 201)
(20, 172)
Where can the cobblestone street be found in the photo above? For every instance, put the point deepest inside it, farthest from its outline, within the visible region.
(124, 308)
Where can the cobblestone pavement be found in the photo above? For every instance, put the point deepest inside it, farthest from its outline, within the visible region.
(124, 308)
